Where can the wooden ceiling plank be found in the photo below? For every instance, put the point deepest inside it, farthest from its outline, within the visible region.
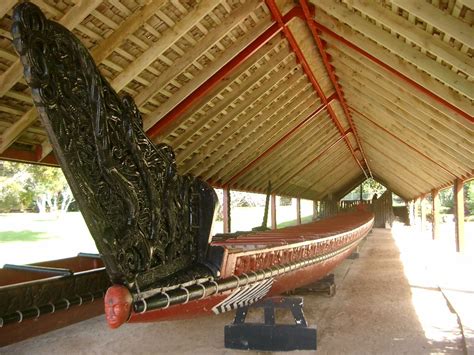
(371, 124)
(253, 99)
(407, 121)
(364, 67)
(243, 88)
(12, 132)
(212, 150)
(70, 20)
(226, 91)
(6, 6)
(403, 99)
(416, 35)
(435, 149)
(205, 74)
(325, 173)
(407, 160)
(399, 48)
(250, 134)
(297, 154)
(168, 38)
(246, 125)
(279, 131)
(193, 54)
(266, 138)
(446, 23)
(463, 146)
(442, 92)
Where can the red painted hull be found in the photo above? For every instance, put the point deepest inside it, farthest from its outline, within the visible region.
(245, 255)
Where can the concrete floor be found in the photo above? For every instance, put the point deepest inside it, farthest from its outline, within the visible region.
(387, 302)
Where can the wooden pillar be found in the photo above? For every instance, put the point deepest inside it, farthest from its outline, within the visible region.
(226, 209)
(361, 196)
(435, 213)
(274, 211)
(298, 211)
(459, 214)
(423, 214)
(315, 210)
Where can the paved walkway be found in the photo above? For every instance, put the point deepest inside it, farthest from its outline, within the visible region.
(387, 302)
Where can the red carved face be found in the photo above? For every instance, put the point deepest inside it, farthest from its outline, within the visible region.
(118, 305)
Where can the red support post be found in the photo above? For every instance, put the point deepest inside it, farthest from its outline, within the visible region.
(226, 209)
(332, 75)
(275, 11)
(282, 140)
(199, 93)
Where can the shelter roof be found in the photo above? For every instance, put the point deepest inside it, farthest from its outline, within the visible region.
(313, 97)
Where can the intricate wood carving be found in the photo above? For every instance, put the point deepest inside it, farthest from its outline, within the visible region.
(148, 222)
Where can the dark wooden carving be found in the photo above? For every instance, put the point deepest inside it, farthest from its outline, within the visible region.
(148, 222)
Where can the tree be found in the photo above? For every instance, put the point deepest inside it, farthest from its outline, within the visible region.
(23, 184)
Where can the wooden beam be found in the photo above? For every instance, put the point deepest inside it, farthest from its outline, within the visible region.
(236, 136)
(459, 215)
(182, 100)
(5, 6)
(273, 211)
(401, 26)
(330, 70)
(390, 63)
(276, 14)
(377, 74)
(127, 28)
(435, 214)
(402, 49)
(433, 16)
(70, 20)
(215, 35)
(265, 138)
(438, 122)
(226, 210)
(228, 90)
(288, 76)
(12, 132)
(167, 39)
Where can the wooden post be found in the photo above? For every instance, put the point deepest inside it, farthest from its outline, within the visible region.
(423, 214)
(298, 211)
(361, 193)
(459, 214)
(315, 210)
(274, 211)
(226, 209)
(435, 213)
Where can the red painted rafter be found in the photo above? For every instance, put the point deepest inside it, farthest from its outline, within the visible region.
(275, 11)
(199, 93)
(402, 141)
(279, 142)
(332, 75)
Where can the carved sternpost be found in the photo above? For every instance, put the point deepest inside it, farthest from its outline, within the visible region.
(148, 222)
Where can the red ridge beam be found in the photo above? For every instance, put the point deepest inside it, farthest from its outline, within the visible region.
(198, 94)
(332, 75)
(279, 142)
(275, 11)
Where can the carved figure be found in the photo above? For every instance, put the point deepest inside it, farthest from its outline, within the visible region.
(149, 223)
(118, 305)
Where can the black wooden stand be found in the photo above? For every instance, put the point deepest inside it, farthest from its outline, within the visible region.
(270, 336)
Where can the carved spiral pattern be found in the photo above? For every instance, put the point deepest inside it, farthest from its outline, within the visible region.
(146, 220)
